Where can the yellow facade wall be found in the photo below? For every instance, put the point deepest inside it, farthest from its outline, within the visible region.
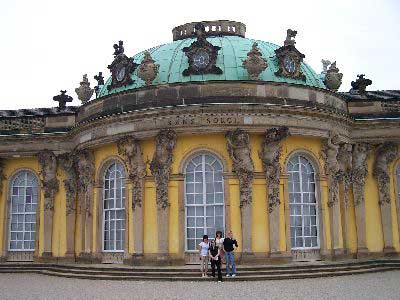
(216, 143)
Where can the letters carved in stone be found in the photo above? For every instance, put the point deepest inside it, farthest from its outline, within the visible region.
(160, 165)
(67, 162)
(48, 164)
(85, 169)
(329, 152)
(270, 153)
(238, 145)
(129, 149)
(361, 152)
(384, 155)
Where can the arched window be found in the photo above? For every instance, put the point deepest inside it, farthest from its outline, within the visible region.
(114, 208)
(303, 205)
(204, 199)
(24, 198)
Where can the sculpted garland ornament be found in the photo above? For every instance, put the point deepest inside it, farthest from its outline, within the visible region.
(67, 162)
(255, 63)
(384, 155)
(238, 145)
(121, 68)
(202, 55)
(269, 155)
(129, 149)
(48, 164)
(160, 165)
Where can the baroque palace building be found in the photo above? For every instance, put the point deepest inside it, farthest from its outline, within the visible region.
(213, 131)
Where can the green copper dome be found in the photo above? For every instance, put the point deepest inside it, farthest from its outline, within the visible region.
(172, 62)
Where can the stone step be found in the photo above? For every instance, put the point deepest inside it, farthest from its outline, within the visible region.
(238, 278)
(250, 273)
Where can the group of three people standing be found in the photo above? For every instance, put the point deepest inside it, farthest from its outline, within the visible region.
(215, 251)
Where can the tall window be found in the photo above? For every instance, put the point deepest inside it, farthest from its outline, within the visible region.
(114, 208)
(24, 197)
(302, 203)
(204, 199)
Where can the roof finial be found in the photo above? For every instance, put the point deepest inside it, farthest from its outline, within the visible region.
(118, 48)
(62, 99)
(289, 35)
(359, 86)
(100, 82)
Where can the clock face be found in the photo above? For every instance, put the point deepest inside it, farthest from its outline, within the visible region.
(201, 59)
(121, 74)
(289, 64)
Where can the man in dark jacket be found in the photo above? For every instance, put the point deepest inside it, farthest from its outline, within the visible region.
(229, 243)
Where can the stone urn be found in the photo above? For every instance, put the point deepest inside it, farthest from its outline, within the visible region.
(333, 79)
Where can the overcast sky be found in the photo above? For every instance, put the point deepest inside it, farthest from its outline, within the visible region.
(48, 45)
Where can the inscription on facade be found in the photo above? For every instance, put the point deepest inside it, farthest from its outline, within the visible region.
(190, 120)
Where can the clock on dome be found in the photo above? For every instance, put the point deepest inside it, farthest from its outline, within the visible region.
(289, 58)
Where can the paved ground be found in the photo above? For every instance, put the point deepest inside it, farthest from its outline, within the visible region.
(369, 286)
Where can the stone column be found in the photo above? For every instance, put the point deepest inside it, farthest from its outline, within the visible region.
(137, 227)
(66, 163)
(238, 145)
(329, 152)
(361, 152)
(269, 155)
(129, 148)
(384, 155)
(48, 165)
(160, 167)
(85, 169)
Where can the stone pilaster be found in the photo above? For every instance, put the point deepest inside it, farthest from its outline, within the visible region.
(384, 155)
(50, 185)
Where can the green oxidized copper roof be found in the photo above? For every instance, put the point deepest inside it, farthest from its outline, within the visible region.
(233, 52)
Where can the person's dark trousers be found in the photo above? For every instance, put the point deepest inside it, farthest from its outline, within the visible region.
(216, 263)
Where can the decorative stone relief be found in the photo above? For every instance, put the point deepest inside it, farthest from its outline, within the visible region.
(270, 153)
(345, 159)
(202, 55)
(289, 58)
(148, 69)
(85, 170)
(48, 164)
(129, 149)
(24, 124)
(333, 79)
(361, 152)
(359, 86)
(238, 145)
(84, 91)
(160, 165)
(255, 63)
(121, 68)
(329, 152)
(384, 155)
(67, 162)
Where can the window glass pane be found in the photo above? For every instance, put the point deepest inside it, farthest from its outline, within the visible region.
(202, 197)
(113, 207)
(302, 203)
